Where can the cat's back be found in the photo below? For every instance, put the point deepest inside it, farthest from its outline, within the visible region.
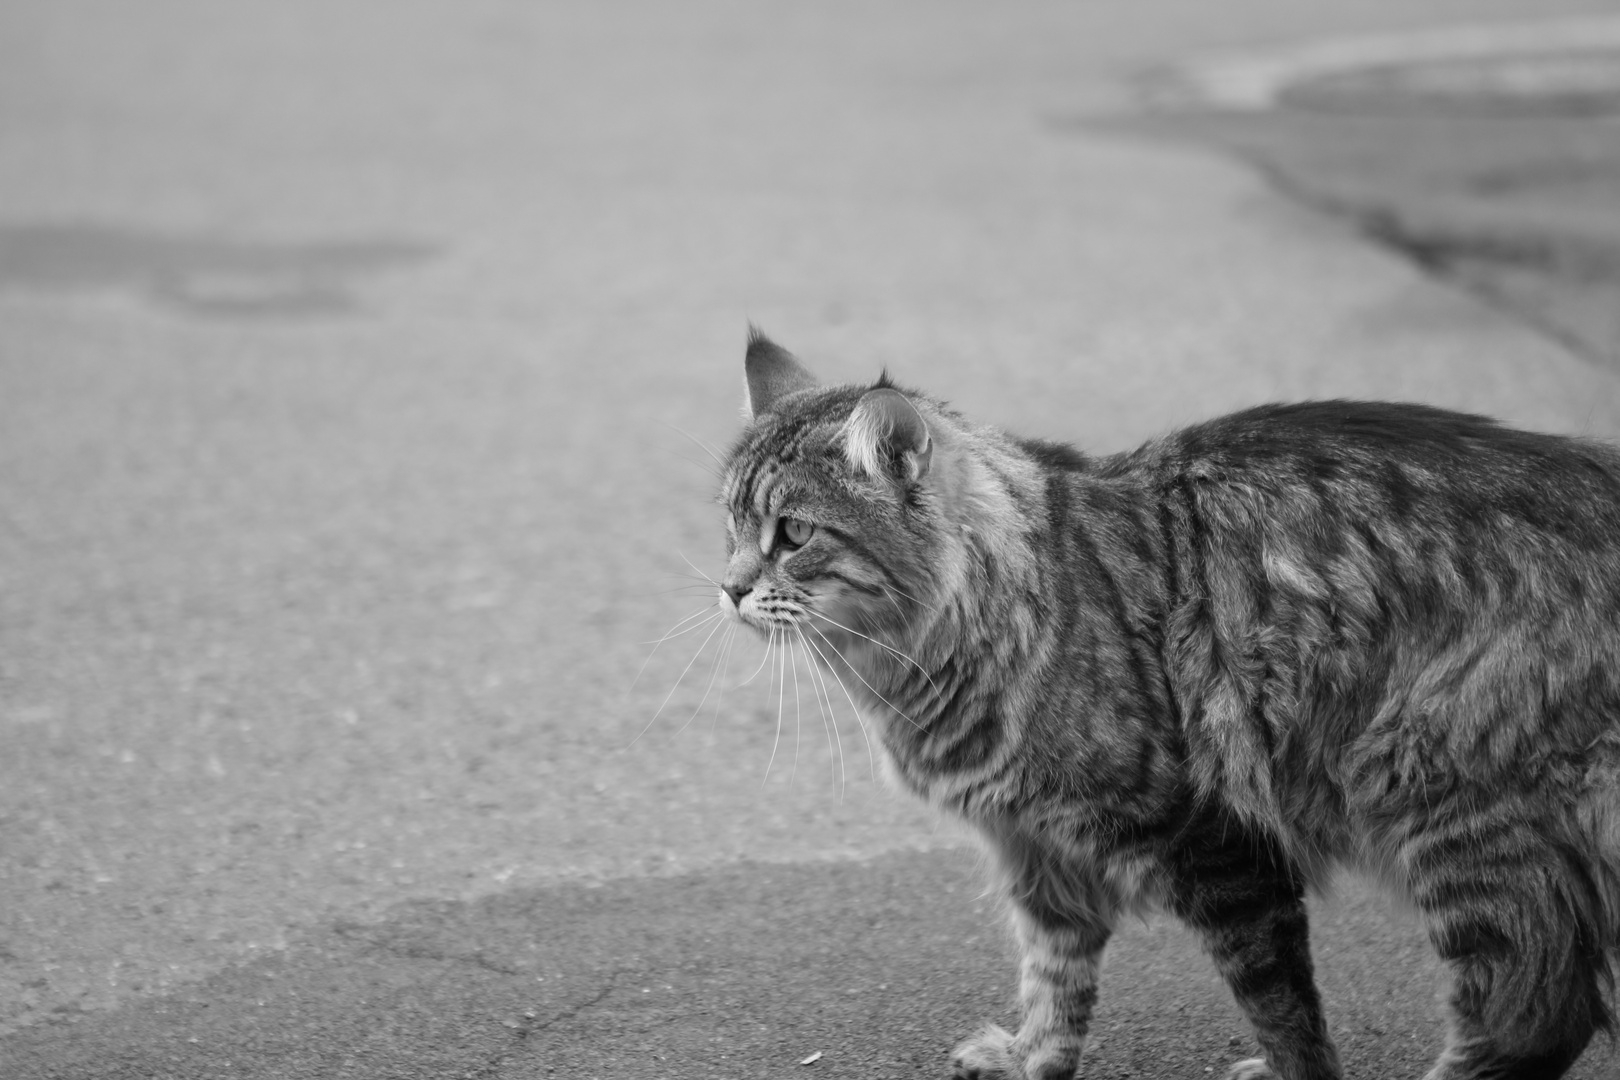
(1361, 559)
(1359, 592)
(1385, 463)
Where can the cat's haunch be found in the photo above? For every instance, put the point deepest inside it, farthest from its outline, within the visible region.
(1201, 675)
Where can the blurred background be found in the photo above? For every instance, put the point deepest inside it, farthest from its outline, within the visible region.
(358, 364)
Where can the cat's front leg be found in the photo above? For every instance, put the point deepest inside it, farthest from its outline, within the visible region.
(1239, 892)
(1061, 933)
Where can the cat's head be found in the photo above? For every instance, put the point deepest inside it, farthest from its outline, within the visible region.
(835, 500)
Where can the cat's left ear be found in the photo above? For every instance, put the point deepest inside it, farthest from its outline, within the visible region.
(886, 435)
(772, 373)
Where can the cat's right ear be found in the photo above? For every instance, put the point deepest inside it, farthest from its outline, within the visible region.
(772, 373)
(886, 435)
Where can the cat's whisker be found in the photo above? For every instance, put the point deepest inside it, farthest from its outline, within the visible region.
(795, 655)
(889, 648)
(783, 681)
(907, 596)
(698, 569)
(714, 671)
(691, 577)
(817, 683)
(683, 588)
(712, 611)
(837, 765)
(707, 469)
(762, 661)
(894, 600)
(673, 633)
(699, 443)
(728, 646)
(869, 686)
(798, 720)
(677, 686)
(854, 708)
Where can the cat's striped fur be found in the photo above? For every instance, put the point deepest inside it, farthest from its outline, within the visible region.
(1202, 674)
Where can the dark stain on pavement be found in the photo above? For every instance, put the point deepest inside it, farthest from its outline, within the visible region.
(743, 971)
(199, 274)
(1498, 174)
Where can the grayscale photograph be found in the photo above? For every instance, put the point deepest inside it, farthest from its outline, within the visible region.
(921, 540)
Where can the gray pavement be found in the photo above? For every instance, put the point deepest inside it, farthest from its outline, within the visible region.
(848, 969)
(348, 356)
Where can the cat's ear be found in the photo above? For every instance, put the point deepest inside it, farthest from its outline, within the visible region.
(772, 373)
(886, 435)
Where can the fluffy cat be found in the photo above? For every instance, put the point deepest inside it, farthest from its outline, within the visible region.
(1200, 675)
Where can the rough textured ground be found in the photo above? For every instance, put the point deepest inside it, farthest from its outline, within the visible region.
(347, 356)
(750, 970)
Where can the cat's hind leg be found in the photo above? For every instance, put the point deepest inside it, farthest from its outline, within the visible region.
(1519, 924)
(1239, 893)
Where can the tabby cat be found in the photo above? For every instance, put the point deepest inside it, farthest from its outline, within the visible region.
(1202, 674)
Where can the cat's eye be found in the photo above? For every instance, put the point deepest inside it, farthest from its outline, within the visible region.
(795, 533)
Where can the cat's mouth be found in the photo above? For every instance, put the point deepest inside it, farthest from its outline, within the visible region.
(772, 616)
(763, 614)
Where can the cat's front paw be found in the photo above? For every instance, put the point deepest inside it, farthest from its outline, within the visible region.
(986, 1056)
(1251, 1069)
(993, 1054)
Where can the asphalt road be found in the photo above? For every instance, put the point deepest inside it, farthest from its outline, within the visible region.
(348, 359)
(844, 969)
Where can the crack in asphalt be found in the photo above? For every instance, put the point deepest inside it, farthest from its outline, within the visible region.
(354, 932)
(522, 1031)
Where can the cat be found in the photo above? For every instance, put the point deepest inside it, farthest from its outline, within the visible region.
(1201, 675)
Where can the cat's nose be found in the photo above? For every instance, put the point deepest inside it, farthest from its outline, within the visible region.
(737, 592)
